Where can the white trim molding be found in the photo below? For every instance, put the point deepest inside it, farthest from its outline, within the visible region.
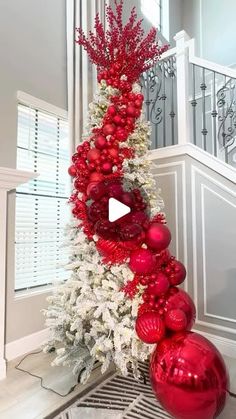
(37, 103)
(26, 344)
(198, 154)
(9, 179)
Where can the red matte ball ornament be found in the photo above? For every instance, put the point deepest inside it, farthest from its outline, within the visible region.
(150, 327)
(93, 154)
(158, 237)
(160, 286)
(96, 177)
(100, 142)
(109, 129)
(189, 376)
(131, 111)
(142, 261)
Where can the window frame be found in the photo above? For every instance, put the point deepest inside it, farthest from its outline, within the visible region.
(26, 99)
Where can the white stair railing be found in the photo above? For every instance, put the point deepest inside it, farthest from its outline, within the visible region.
(192, 100)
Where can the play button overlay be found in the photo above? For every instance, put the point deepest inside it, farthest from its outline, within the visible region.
(117, 210)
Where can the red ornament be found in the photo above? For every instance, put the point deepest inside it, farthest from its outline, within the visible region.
(106, 229)
(139, 217)
(189, 377)
(117, 119)
(179, 273)
(100, 142)
(96, 190)
(115, 190)
(181, 300)
(160, 286)
(130, 231)
(138, 103)
(131, 111)
(96, 177)
(176, 320)
(127, 198)
(150, 327)
(106, 167)
(121, 134)
(111, 110)
(93, 154)
(142, 261)
(109, 129)
(113, 152)
(158, 237)
(72, 171)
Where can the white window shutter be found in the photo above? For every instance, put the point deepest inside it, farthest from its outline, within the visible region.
(42, 210)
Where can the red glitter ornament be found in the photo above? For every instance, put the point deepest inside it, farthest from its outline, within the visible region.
(160, 285)
(149, 327)
(96, 177)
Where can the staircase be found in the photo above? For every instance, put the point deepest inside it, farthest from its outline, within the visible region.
(191, 105)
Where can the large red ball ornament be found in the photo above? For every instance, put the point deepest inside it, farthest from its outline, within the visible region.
(150, 327)
(160, 286)
(100, 142)
(72, 170)
(181, 300)
(142, 261)
(121, 134)
(158, 237)
(189, 377)
(139, 217)
(109, 129)
(105, 229)
(93, 154)
(176, 320)
(179, 273)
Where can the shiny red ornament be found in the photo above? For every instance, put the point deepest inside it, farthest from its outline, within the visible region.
(109, 129)
(138, 103)
(139, 217)
(105, 229)
(179, 273)
(106, 167)
(72, 170)
(160, 286)
(117, 119)
(142, 261)
(158, 237)
(100, 142)
(150, 327)
(93, 154)
(121, 134)
(111, 110)
(113, 152)
(127, 198)
(115, 190)
(189, 377)
(181, 300)
(176, 320)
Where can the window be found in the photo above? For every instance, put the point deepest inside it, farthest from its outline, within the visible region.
(152, 10)
(41, 205)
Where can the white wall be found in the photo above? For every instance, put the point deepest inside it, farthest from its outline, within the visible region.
(212, 23)
(33, 59)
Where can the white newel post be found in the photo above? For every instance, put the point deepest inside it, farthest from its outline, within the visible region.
(9, 179)
(182, 68)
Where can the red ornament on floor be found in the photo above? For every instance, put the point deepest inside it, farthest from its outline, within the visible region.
(189, 377)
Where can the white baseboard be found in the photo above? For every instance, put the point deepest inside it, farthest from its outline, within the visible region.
(26, 344)
(225, 346)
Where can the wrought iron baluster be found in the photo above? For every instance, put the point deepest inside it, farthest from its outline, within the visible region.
(194, 104)
(204, 129)
(163, 97)
(172, 112)
(214, 114)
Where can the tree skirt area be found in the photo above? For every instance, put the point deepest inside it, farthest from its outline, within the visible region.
(119, 398)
